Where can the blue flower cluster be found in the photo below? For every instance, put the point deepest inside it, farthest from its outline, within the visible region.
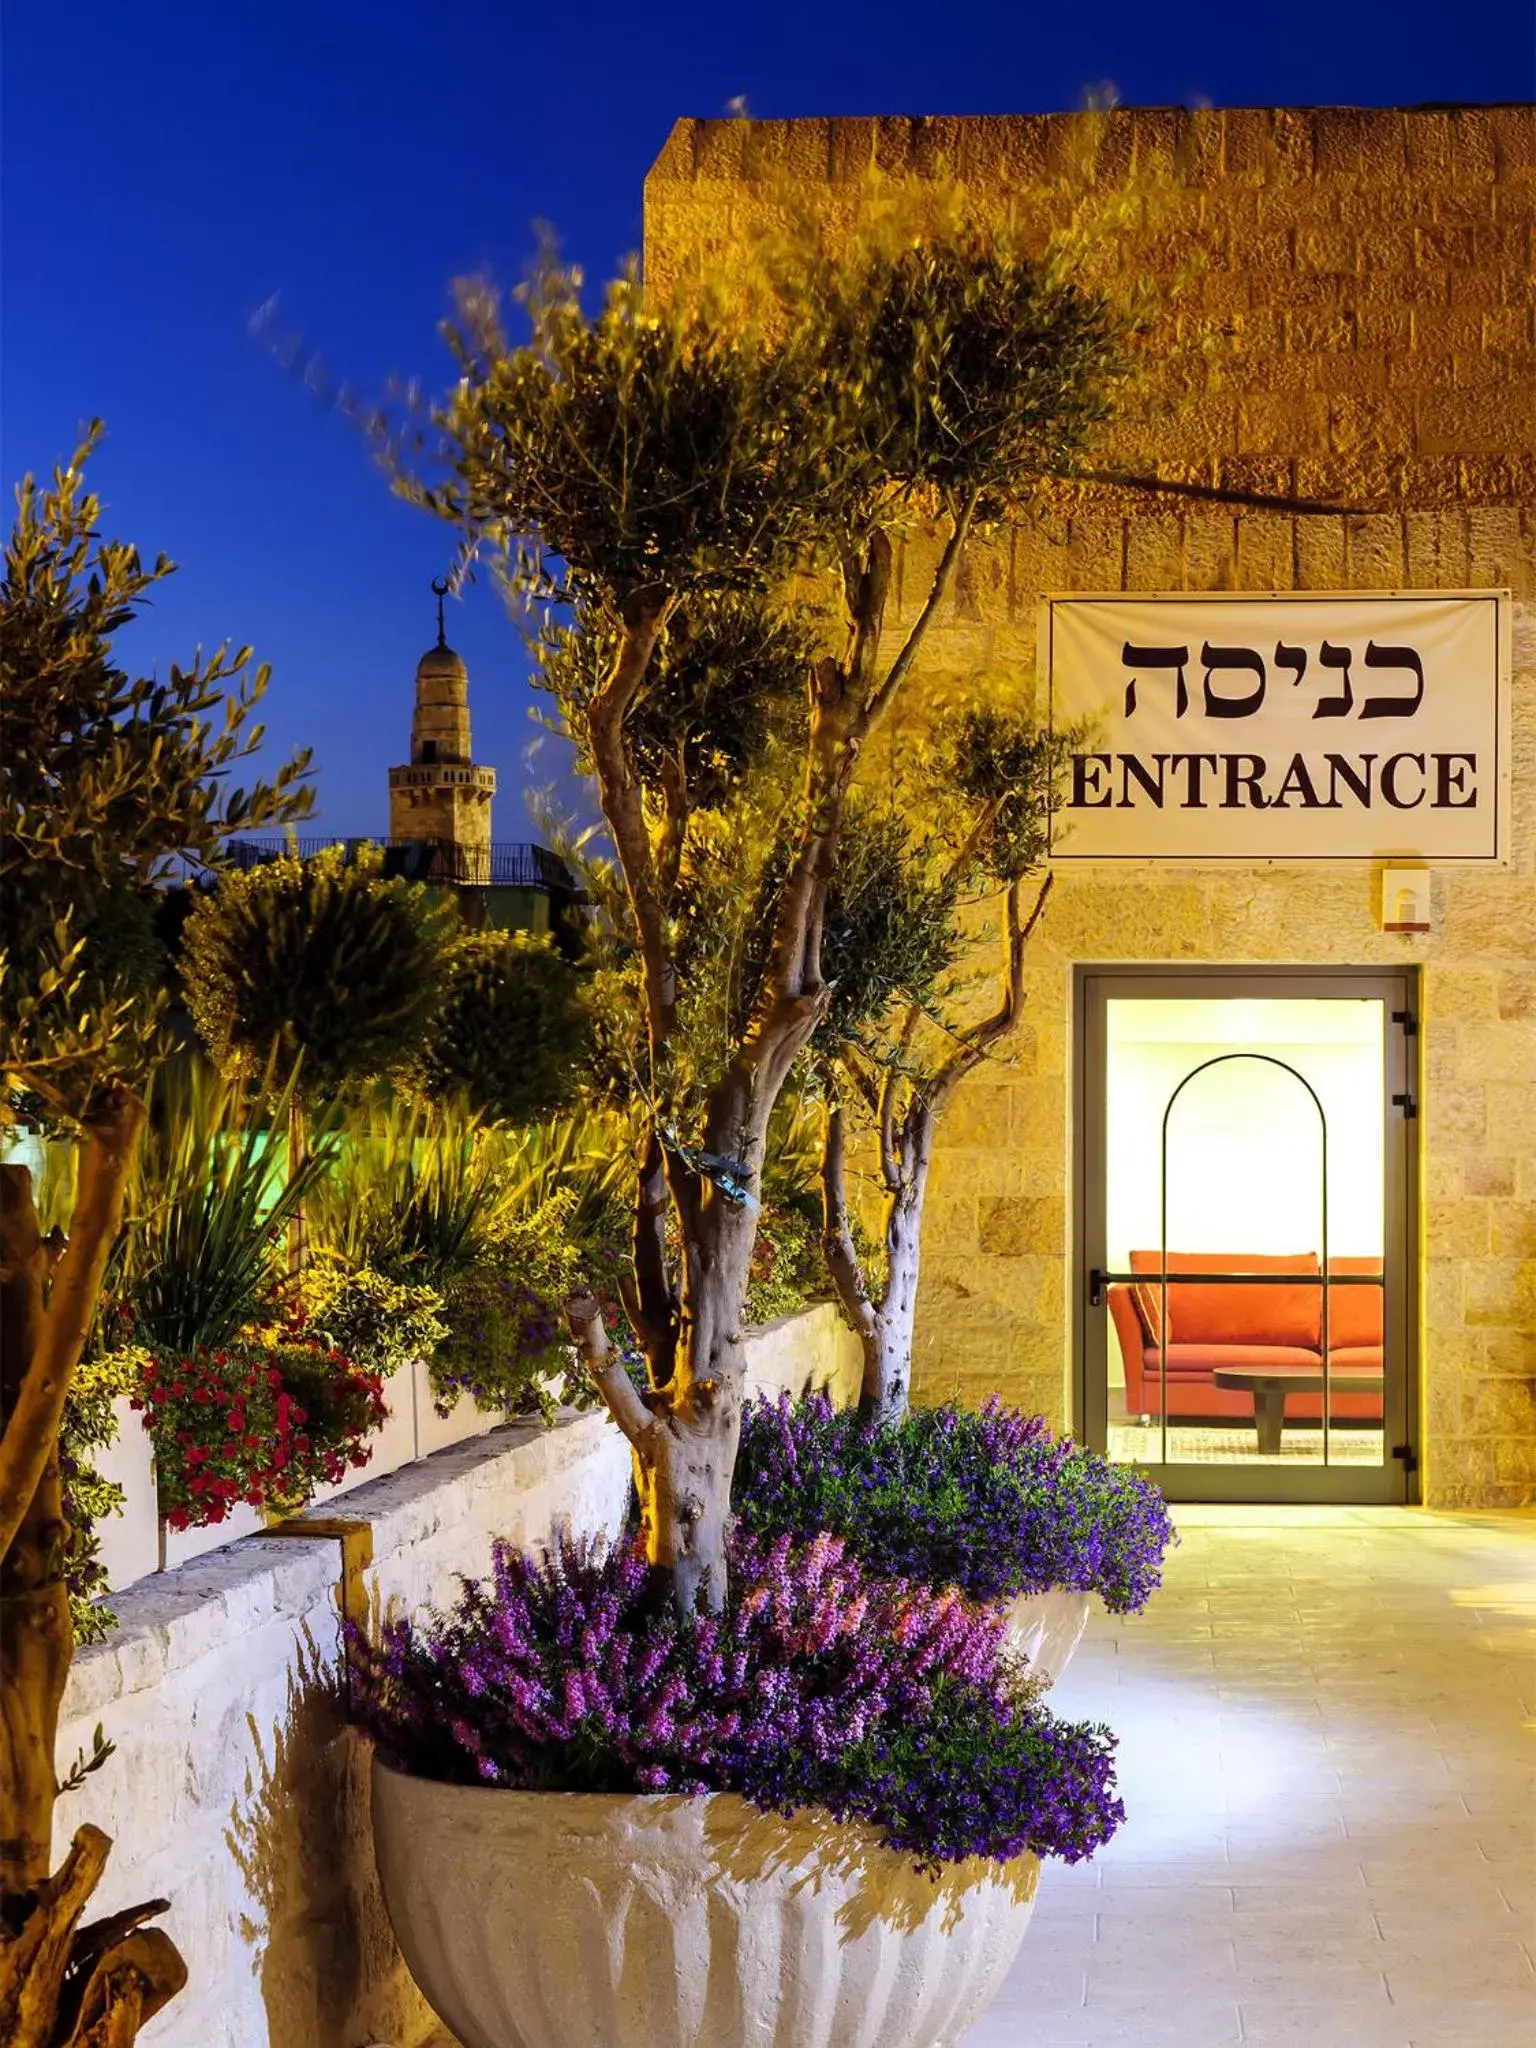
(988, 1501)
(820, 1685)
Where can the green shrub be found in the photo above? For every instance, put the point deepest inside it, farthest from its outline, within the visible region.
(510, 1031)
(90, 1425)
(416, 1197)
(379, 1323)
(506, 1331)
(321, 962)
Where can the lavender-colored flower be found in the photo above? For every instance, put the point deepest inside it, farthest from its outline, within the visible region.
(991, 1502)
(872, 1697)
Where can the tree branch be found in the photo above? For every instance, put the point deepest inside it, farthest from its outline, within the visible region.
(623, 806)
(837, 1231)
(866, 588)
(654, 1307)
(890, 1166)
(875, 707)
(32, 1427)
(981, 1037)
(584, 1320)
(839, 693)
(674, 827)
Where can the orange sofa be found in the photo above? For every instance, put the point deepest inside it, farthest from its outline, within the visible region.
(1225, 1324)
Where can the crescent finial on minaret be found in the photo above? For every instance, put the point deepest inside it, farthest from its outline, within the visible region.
(440, 589)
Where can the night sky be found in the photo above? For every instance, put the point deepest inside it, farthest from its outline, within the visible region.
(168, 169)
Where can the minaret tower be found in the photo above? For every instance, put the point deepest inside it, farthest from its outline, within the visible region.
(442, 797)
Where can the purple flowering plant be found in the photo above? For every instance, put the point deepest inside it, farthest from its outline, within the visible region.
(988, 1501)
(819, 1685)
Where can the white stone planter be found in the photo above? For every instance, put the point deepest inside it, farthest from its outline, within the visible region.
(391, 1447)
(130, 1541)
(577, 1920)
(436, 1432)
(1047, 1627)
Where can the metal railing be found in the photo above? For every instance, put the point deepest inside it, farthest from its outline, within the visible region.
(512, 864)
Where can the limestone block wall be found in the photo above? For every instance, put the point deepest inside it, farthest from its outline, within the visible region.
(1346, 311)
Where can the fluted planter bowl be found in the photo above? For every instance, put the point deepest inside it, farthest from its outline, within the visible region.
(1047, 1627)
(592, 1920)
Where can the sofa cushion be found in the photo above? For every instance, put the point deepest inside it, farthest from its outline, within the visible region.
(1148, 1297)
(1354, 1313)
(1217, 1314)
(1361, 1357)
(1191, 1361)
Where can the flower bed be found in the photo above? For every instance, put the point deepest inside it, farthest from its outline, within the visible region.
(990, 1502)
(821, 1686)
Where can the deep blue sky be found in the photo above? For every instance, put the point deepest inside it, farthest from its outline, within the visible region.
(168, 168)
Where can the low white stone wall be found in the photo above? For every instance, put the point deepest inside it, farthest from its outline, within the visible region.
(238, 1793)
(813, 1352)
(236, 1790)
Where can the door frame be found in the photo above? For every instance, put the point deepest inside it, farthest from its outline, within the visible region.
(1395, 1481)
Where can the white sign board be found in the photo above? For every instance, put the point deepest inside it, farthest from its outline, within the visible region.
(1305, 726)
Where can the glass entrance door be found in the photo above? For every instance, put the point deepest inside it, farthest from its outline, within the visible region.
(1244, 1182)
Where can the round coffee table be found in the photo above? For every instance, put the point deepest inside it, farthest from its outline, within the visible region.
(1269, 1385)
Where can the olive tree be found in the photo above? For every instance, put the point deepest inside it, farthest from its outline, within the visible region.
(104, 779)
(909, 920)
(641, 467)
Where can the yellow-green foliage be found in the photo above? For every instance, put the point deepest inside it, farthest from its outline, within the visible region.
(90, 1425)
(378, 1323)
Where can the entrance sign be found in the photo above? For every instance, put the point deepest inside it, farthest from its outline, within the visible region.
(1296, 726)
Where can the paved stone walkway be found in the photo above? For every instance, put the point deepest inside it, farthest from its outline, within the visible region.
(1328, 1755)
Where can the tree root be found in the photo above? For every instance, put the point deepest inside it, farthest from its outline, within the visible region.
(67, 1986)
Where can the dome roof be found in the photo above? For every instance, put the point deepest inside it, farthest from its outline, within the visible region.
(442, 661)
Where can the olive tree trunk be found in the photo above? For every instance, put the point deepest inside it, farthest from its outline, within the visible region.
(884, 1327)
(907, 1111)
(684, 1426)
(61, 1985)
(684, 1434)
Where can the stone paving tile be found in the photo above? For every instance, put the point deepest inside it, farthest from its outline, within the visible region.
(1328, 1756)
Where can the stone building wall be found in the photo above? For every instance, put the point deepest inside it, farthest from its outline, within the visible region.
(1354, 324)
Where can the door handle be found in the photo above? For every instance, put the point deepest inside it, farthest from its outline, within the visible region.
(1096, 1280)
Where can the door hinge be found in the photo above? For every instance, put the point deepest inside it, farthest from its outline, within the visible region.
(1406, 1454)
(1406, 1103)
(1409, 1022)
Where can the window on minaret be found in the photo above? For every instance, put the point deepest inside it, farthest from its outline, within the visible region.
(429, 752)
